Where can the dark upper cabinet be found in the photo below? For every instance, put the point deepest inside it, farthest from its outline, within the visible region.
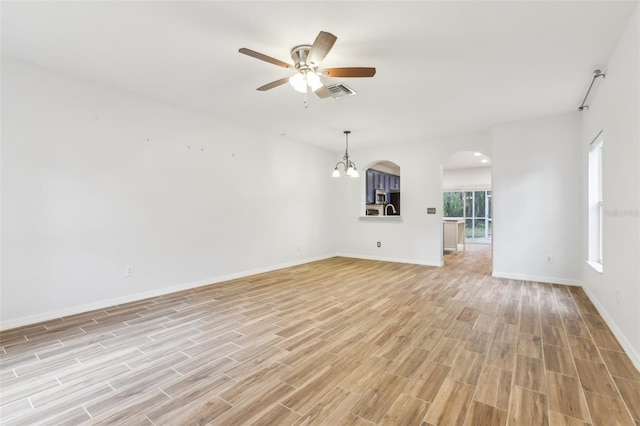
(381, 180)
(394, 183)
(371, 188)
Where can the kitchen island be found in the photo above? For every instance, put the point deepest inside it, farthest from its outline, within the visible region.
(453, 234)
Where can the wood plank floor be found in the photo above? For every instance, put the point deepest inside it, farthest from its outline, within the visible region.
(335, 342)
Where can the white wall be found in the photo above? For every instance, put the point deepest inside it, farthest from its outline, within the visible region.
(537, 200)
(416, 236)
(469, 179)
(536, 181)
(615, 110)
(95, 180)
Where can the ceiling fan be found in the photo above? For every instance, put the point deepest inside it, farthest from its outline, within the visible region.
(306, 60)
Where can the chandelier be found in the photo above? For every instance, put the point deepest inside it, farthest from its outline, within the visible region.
(349, 166)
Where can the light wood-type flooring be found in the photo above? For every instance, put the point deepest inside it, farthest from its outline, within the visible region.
(335, 342)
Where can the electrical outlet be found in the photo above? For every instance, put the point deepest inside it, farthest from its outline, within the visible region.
(549, 259)
(379, 244)
(129, 271)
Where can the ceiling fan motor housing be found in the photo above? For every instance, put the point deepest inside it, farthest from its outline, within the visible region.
(300, 55)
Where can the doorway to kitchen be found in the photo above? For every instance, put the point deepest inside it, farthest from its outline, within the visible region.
(467, 202)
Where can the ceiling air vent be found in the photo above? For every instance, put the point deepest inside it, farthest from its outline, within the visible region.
(340, 90)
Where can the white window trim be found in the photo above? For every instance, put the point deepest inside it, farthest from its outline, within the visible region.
(595, 265)
(595, 201)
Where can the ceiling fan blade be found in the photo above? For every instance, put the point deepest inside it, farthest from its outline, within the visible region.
(323, 92)
(321, 46)
(265, 58)
(349, 72)
(273, 84)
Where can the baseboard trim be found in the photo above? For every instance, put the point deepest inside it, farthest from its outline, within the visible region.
(622, 339)
(536, 278)
(391, 259)
(74, 310)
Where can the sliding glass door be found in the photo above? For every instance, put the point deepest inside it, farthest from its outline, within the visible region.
(474, 207)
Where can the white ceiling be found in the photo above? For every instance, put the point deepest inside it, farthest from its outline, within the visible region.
(443, 68)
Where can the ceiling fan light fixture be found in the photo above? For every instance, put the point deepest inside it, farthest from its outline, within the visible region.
(305, 78)
(298, 82)
(313, 80)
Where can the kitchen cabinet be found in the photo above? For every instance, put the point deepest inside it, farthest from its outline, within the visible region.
(371, 189)
(381, 180)
(394, 183)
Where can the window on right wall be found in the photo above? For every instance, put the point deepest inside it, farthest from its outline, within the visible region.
(596, 207)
